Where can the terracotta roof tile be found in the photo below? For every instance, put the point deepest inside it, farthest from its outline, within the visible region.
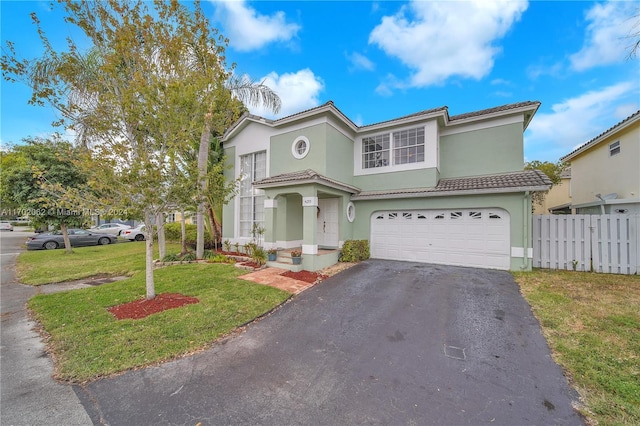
(304, 176)
(528, 180)
(492, 110)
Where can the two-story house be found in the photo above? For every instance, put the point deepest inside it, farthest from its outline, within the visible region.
(605, 171)
(426, 187)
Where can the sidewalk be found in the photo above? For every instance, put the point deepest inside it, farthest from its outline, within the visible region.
(29, 394)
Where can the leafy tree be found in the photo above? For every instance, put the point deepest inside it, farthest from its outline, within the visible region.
(553, 172)
(152, 83)
(45, 182)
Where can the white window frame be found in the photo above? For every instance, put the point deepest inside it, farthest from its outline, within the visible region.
(380, 156)
(393, 165)
(254, 195)
(296, 145)
(614, 148)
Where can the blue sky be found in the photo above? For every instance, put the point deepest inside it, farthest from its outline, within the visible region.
(384, 59)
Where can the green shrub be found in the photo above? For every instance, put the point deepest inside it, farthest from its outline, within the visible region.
(173, 233)
(189, 256)
(259, 255)
(170, 258)
(354, 251)
(220, 258)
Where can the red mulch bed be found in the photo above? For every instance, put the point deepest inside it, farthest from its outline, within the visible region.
(306, 276)
(253, 265)
(143, 308)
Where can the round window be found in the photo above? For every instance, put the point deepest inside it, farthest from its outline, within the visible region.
(300, 147)
(351, 212)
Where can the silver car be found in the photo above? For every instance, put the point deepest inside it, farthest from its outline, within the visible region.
(5, 226)
(77, 237)
(110, 228)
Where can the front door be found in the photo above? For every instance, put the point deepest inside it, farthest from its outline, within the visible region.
(327, 234)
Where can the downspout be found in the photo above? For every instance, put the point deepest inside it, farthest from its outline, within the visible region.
(526, 210)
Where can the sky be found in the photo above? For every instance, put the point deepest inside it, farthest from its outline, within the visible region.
(384, 59)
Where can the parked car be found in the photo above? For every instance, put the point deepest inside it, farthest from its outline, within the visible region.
(135, 234)
(5, 226)
(77, 237)
(110, 228)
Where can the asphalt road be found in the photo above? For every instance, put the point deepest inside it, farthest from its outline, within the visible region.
(28, 394)
(382, 343)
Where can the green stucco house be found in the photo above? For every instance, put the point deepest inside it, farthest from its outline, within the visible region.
(426, 187)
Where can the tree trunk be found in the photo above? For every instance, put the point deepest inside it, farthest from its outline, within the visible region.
(162, 245)
(65, 238)
(183, 231)
(203, 160)
(216, 230)
(151, 290)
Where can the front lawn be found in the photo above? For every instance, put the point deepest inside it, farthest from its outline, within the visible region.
(592, 324)
(88, 342)
(46, 266)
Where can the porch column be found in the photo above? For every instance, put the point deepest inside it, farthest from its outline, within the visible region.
(310, 225)
(270, 216)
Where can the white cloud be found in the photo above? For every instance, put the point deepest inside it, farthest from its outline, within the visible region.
(577, 120)
(249, 30)
(607, 39)
(297, 91)
(359, 62)
(437, 40)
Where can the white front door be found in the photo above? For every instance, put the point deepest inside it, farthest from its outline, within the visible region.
(327, 231)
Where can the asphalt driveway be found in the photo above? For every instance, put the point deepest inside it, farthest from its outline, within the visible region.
(382, 343)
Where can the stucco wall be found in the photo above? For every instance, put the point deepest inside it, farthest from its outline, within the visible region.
(596, 172)
(558, 195)
(482, 151)
(283, 161)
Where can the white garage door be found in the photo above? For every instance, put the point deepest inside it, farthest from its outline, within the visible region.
(464, 237)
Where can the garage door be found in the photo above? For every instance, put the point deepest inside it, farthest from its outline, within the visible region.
(464, 237)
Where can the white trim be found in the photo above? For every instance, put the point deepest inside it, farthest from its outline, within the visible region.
(455, 128)
(289, 244)
(428, 162)
(351, 217)
(309, 249)
(294, 145)
(309, 201)
(270, 203)
(517, 252)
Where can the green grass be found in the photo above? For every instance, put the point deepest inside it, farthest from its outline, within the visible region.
(88, 342)
(46, 266)
(592, 324)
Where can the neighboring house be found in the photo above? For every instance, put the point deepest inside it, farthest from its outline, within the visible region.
(426, 187)
(605, 172)
(558, 199)
(176, 216)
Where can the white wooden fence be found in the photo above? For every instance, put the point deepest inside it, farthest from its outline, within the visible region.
(601, 243)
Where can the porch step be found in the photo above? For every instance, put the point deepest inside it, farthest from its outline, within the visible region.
(283, 264)
(284, 261)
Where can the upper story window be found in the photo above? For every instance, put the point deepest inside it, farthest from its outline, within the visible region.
(375, 151)
(614, 148)
(407, 147)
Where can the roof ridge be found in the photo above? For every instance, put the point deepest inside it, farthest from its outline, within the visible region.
(486, 111)
(609, 130)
